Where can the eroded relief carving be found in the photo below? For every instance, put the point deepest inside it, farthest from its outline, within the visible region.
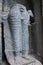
(17, 36)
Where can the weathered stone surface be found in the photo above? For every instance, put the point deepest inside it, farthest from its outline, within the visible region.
(0, 33)
(16, 30)
(42, 7)
(23, 61)
(7, 35)
(19, 21)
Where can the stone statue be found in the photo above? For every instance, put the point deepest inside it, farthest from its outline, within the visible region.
(19, 20)
(17, 35)
(15, 23)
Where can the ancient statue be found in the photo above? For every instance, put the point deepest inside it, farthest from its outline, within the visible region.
(16, 22)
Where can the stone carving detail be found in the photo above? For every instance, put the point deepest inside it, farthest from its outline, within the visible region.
(16, 31)
(19, 21)
(25, 31)
(7, 36)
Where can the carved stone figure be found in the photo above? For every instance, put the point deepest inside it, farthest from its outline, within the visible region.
(17, 35)
(16, 28)
(19, 21)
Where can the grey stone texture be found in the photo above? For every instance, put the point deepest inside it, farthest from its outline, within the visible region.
(16, 30)
(19, 21)
(42, 7)
(37, 27)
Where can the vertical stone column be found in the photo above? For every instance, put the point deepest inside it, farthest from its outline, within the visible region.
(37, 25)
(42, 29)
(42, 7)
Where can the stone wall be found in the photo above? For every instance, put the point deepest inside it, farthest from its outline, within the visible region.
(42, 7)
(42, 27)
(37, 27)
